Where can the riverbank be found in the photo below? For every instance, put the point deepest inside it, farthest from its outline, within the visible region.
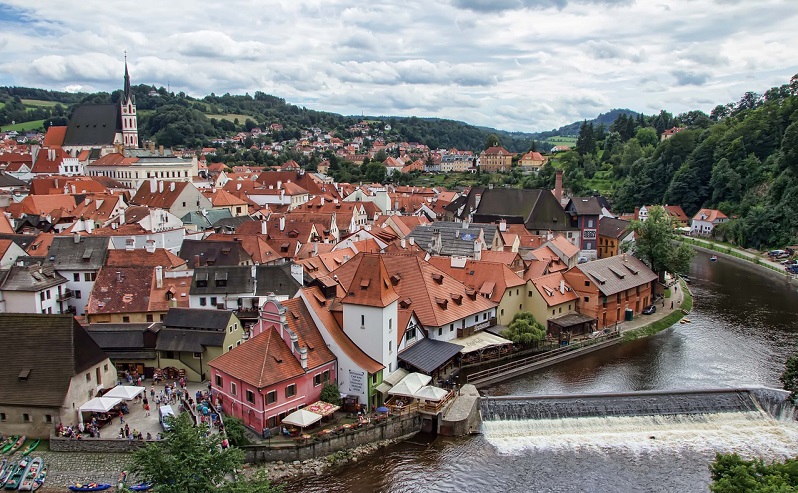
(739, 255)
(684, 307)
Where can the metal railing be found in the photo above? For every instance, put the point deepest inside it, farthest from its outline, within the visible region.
(513, 365)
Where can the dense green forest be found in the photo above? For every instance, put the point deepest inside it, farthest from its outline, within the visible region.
(741, 159)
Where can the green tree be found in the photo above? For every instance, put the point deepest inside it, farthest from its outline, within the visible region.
(524, 329)
(732, 474)
(492, 141)
(586, 142)
(330, 393)
(189, 460)
(789, 379)
(234, 428)
(654, 244)
(647, 136)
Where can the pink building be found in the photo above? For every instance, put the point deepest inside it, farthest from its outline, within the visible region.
(282, 367)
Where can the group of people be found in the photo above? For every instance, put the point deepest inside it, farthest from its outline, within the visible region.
(134, 435)
(79, 431)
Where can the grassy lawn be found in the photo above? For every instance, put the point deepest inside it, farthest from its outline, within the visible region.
(231, 117)
(567, 140)
(41, 103)
(25, 126)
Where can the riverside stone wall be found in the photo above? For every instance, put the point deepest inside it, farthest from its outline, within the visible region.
(320, 447)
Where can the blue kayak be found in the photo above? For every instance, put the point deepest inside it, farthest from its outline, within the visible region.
(89, 487)
(141, 487)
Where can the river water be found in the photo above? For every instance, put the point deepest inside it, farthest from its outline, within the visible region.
(744, 326)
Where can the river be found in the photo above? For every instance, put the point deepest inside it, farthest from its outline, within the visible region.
(744, 326)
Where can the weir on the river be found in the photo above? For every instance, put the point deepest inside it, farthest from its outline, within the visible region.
(644, 403)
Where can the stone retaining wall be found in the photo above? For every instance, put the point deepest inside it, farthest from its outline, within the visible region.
(320, 447)
(116, 445)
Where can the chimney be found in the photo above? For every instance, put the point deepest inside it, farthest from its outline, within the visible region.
(412, 241)
(282, 223)
(403, 243)
(503, 225)
(303, 357)
(51, 154)
(74, 190)
(196, 260)
(562, 286)
(172, 186)
(477, 250)
(119, 276)
(149, 245)
(558, 185)
(279, 184)
(315, 248)
(160, 150)
(253, 271)
(89, 225)
(122, 216)
(160, 187)
(76, 237)
(264, 227)
(159, 277)
(238, 186)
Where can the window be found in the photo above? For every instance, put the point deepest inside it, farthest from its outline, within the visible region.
(390, 324)
(516, 292)
(197, 355)
(48, 418)
(440, 331)
(271, 397)
(560, 310)
(325, 376)
(390, 347)
(88, 377)
(125, 319)
(203, 301)
(149, 317)
(317, 380)
(230, 329)
(219, 381)
(362, 321)
(220, 283)
(170, 355)
(89, 276)
(587, 299)
(271, 422)
(213, 300)
(41, 296)
(2, 416)
(587, 284)
(78, 294)
(76, 276)
(290, 391)
(230, 347)
(26, 417)
(238, 343)
(233, 388)
(235, 326)
(250, 397)
(476, 319)
(410, 334)
(105, 367)
(484, 316)
(502, 312)
(98, 376)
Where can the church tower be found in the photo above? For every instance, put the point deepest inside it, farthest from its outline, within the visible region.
(130, 131)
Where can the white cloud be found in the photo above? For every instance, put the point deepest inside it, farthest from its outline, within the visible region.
(513, 64)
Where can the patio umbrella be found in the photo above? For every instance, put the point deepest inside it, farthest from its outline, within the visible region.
(383, 409)
(301, 418)
(100, 404)
(127, 392)
(430, 393)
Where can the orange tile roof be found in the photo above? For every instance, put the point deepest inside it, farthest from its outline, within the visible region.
(5, 225)
(369, 284)
(494, 277)
(428, 289)
(143, 258)
(315, 301)
(324, 263)
(549, 288)
(261, 362)
(566, 247)
(221, 198)
(54, 136)
(506, 258)
(301, 323)
(313, 249)
(712, 215)
(165, 199)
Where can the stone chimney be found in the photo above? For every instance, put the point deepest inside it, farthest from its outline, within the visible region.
(159, 277)
(558, 185)
(303, 357)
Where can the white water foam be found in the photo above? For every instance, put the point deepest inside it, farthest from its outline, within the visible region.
(746, 433)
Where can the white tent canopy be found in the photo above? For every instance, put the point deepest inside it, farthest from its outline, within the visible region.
(430, 393)
(100, 404)
(410, 385)
(126, 392)
(301, 418)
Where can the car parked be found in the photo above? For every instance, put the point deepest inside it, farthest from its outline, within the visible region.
(792, 269)
(650, 309)
(791, 261)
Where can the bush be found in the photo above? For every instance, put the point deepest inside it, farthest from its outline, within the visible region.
(235, 431)
(331, 394)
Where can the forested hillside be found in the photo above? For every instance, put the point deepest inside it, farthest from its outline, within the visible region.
(741, 159)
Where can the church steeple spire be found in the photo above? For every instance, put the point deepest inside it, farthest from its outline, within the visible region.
(127, 81)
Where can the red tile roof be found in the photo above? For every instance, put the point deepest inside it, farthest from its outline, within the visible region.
(494, 277)
(261, 362)
(54, 136)
(554, 289)
(143, 258)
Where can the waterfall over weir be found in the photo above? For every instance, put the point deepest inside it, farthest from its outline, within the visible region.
(746, 421)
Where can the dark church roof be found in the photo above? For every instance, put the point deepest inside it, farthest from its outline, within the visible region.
(93, 124)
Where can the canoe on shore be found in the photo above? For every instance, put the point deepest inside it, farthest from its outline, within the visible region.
(31, 475)
(89, 487)
(17, 474)
(17, 445)
(30, 448)
(40, 478)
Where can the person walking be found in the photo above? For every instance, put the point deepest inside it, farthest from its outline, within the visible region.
(671, 305)
(127, 430)
(121, 417)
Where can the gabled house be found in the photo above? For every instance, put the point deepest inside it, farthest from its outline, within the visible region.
(613, 233)
(585, 213)
(9, 253)
(177, 197)
(79, 259)
(705, 220)
(283, 366)
(551, 297)
(609, 288)
(34, 288)
(533, 161)
(54, 368)
(199, 253)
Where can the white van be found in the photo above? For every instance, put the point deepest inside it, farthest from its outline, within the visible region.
(163, 413)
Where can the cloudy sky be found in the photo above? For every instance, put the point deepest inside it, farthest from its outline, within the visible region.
(526, 65)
